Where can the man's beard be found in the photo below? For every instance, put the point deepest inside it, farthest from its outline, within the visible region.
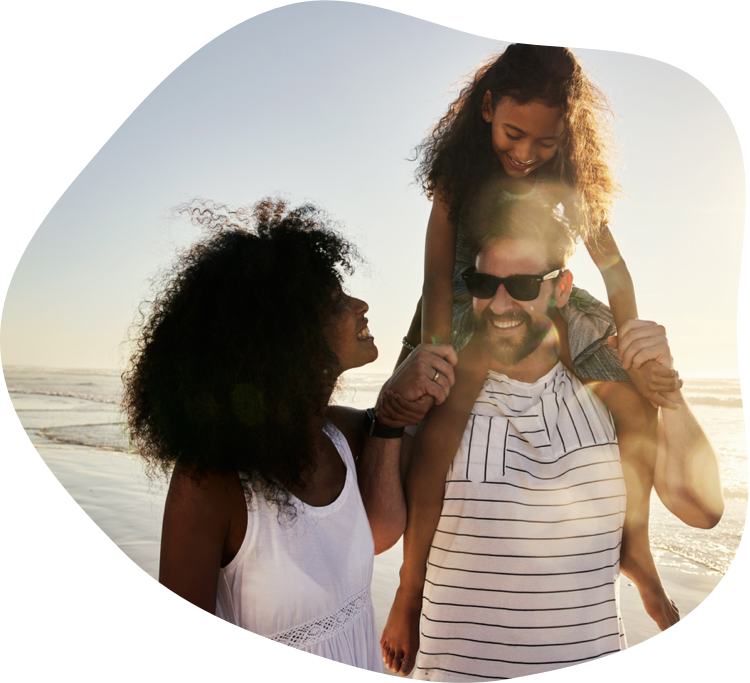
(510, 352)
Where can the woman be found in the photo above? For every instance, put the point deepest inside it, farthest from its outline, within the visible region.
(228, 389)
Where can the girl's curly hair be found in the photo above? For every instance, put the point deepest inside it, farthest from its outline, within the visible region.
(457, 157)
(231, 372)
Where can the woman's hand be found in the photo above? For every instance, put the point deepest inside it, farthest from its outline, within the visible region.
(395, 411)
(424, 379)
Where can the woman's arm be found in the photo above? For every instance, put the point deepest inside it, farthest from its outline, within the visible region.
(379, 470)
(201, 532)
(381, 463)
(439, 260)
(378, 475)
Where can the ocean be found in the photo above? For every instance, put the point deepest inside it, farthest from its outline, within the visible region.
(72, 417)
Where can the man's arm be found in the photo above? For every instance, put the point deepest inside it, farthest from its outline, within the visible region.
(686, 474)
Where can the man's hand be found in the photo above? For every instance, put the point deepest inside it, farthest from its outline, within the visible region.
(422, 380)
(639, 341)
(644, 352)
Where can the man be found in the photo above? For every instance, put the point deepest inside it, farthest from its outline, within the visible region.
(523, 566)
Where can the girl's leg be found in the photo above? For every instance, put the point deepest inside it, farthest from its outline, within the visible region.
(637, 427)
(435, 445)
(636, 421)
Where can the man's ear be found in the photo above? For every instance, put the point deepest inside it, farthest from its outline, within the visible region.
(563, 287)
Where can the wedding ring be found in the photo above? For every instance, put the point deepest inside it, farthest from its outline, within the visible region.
(435, 378)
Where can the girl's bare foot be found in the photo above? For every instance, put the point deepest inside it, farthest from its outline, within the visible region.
(637, 563)
(400, 640)
(659, 606)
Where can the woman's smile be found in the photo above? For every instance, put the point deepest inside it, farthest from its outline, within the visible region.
(364, 333)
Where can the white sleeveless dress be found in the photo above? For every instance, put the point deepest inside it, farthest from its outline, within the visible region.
(307, 583)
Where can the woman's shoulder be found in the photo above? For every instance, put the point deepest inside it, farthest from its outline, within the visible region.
(193, 492)
(349, 422)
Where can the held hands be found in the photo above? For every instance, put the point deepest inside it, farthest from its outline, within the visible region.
(424, 379)
(644, 352)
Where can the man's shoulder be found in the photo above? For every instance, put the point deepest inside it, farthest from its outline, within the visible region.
(559, 385)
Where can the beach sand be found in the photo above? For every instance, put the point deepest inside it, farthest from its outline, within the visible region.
(113, 490)
(686, 582)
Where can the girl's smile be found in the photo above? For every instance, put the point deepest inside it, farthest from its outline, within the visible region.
(524, 136)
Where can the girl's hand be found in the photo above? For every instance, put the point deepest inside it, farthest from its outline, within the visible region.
(653, 381)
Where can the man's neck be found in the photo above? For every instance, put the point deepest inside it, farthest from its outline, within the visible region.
(535, 366)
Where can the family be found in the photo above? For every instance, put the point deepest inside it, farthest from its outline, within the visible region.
(514, 447)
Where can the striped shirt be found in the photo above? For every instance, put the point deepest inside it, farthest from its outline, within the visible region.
(523, 570)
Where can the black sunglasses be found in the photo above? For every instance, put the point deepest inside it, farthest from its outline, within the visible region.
(519, 287)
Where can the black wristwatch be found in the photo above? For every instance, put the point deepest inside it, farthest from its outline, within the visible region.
(374, 428)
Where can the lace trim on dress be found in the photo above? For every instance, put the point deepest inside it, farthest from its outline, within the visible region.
(324, 627)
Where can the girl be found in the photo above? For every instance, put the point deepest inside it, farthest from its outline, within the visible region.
(529, 122)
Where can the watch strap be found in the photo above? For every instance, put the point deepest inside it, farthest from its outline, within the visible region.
(375, 428)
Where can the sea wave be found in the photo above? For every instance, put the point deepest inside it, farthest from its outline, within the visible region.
(713, 400)
(717, 563)
(67, 394)
(111, 436)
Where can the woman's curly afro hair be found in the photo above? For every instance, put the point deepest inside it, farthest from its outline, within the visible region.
(231, 372)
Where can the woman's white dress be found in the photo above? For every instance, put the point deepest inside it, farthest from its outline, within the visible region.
(306, 583)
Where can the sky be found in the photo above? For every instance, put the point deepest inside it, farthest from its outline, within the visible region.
(332, 115)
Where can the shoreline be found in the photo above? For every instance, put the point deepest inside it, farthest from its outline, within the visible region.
(112, 489)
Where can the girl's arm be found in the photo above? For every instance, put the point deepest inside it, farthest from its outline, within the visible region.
(201, 532)
(620, 291)
(621, 294)
(439, 260)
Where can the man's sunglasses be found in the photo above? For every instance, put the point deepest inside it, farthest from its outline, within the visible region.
(519, 287)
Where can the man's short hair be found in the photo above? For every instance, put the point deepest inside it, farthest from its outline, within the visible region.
(494, 216)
